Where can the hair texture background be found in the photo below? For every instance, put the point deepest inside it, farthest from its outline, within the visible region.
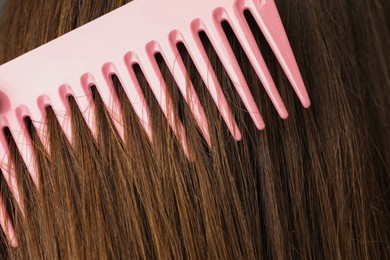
(316, 185)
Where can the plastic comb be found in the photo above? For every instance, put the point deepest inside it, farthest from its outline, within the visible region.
(134, 34)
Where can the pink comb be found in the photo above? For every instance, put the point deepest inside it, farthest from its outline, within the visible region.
(133, 34)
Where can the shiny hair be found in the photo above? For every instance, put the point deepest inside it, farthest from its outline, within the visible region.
(316, 185)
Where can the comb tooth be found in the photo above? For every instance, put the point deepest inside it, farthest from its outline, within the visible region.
(61, 111)
(6, 224)
(203, 65)
(88, 112)
(226, 55)
(84, 102)
(37, 116)
(24, 143)
(100, 82)
(22, 140)
(111, 101)
(7, 166)
(134, 94)
(25, 150)
(9, 175)
(44, 102)
(179, 72)
(155, 79)
(268, 19)
(35, 113)
(248, 43)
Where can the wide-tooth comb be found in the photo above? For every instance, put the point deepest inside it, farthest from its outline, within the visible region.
(134, 34)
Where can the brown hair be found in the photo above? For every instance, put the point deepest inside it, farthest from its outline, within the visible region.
(316, 185)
